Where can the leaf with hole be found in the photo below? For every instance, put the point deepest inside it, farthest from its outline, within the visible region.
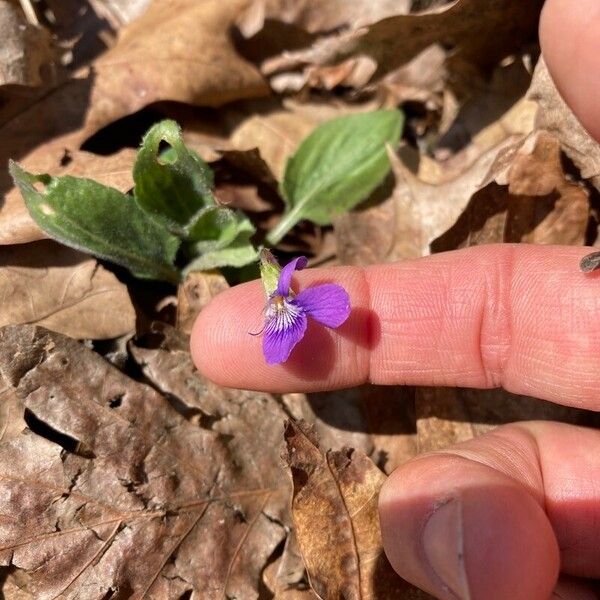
(173, 184)
(100, 220)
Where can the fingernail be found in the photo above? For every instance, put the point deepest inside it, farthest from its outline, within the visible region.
(443, 545)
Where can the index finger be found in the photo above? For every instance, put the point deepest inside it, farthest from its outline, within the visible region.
(521, 317)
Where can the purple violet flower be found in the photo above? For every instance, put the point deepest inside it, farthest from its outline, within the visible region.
(286, 313)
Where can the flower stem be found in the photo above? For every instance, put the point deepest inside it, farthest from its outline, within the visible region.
(287, 222)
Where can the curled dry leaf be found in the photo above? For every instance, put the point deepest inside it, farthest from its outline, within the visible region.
(502, 26)
(556, 117)
(337, 523)
(17, 226)
(527, 197)
(64, 290)
(117, 492)
(27, 55)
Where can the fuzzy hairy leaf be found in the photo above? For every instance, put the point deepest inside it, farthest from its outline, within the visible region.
(94, 218)
(221, 237)
(337, 166)
(173, 185)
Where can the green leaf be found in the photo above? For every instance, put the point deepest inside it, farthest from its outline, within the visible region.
(220, 237)
(100, 220)
(337, 166)
(174, 184)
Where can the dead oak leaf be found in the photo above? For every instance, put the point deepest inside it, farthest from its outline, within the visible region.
(337, 524)
(527, 197)
(127, 496)
(64, 290)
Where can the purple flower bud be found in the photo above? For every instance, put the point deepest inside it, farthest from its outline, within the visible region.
(286, 313)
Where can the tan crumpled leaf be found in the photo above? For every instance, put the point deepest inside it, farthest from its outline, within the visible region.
(61, 289)
(117, 492)
(17, 226)
(502, 27)
(555, 116)
(527, 197)
(27, 54)
(337, 524)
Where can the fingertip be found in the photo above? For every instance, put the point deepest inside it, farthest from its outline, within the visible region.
(226, 349)
(569, 34)
(458, 529)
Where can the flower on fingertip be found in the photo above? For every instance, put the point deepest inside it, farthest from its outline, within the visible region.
(286, 312)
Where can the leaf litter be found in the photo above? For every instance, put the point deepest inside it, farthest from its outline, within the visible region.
(147, 479)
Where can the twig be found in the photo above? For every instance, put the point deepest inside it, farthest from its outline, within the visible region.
(29, 12)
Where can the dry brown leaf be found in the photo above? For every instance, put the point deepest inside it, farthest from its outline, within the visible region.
(17, 226)
(422, 79)
(377, 420)
(555, 116)
(64, 290)
(404, 225)
(177, 50)
(235, 414)
(447, 416)
(502, 27)
(27, 54)
(11, 413)
(117, 492)
(285, 577)
(527, 197)
(196, 291)
(337, 523)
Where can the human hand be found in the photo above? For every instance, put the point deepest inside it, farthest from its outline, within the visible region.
(501, 515)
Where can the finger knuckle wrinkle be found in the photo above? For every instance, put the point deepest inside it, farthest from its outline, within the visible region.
(496, 326)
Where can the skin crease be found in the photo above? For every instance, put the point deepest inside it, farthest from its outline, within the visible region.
(517, 511)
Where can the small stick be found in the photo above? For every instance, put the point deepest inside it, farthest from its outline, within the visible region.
(29, 12)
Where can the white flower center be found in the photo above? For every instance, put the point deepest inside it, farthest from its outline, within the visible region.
(281, 314)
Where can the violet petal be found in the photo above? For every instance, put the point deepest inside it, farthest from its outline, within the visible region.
(282, 332)
(285, 277)
(328, 304)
